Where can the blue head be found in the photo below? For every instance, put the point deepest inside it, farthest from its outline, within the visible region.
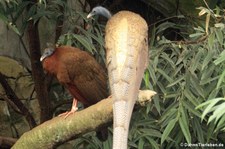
(99, 10)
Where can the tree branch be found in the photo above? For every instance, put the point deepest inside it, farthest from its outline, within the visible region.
(15, 102)
(6, 142)
(59, 130)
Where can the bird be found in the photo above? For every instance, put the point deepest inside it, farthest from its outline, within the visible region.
(126, 43)
(80, 73)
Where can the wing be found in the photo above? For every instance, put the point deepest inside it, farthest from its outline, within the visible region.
(83, 75)
(126, 49)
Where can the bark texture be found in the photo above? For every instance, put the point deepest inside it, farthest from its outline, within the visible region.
(59, 130)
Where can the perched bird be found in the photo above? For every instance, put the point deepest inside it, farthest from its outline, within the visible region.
(80, 73)
(126, 43)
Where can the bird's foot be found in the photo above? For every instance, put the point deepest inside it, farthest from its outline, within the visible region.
(73, 110)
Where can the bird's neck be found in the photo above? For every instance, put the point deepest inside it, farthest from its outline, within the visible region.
(105, 12)
(50, 65)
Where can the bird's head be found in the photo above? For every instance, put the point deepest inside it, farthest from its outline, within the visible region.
(99, 10)
(47, 52)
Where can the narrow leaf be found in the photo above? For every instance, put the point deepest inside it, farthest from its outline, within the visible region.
(221, 58)
(168, 129)
(183, 121)
(209, 107)
(221, 80)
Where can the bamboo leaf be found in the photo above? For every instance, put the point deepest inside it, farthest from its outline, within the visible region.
(198, 129)
(191, 108)
(152, 74)
(221, 123)
(84, 42)
(168, 129)
(176, 82)
(221, 80)
(183, 121)
(167, 77)
(169, 60)
(196, 35)
(207, 73)
(196, 60)
(188, 94)
(219, 36)
(221, 58)
(164, 26)
(196, 86)
(14, 28)
(147, 79)
(211, 40)
(210, 131)
(210, 103)
(141, 143)
(153, 143)
(218, 113)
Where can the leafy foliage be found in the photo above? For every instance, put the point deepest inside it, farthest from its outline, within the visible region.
(188, 75)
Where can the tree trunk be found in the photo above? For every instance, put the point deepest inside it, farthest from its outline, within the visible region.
(37, 70)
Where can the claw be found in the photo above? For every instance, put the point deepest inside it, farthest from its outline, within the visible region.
(73, 110)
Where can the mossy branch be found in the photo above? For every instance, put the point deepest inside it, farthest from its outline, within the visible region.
(59, 130)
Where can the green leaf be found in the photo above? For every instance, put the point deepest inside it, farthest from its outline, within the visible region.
(183, 121)
(211, 40)
(198, 129)
(177, 81)
(150, 132)
(220, 25)
(162, 27)
(162, 88)
(169, 114)
(196, 61)
(208, 58)
(191, 108)
(196, 86)
(218, 113)
(210, 131)
(166, 76)
(219, 36)
(154, 144)
(199, 28)
(157, 104)
(141, 143)
(221, 80)
(189, 95)
(152, 74)
(196, 35)
(221, 123)
(221, 58)
(210, 104)
(19, 10)
(168, 129)
(84, 42)
(207, 73)
(147, 79)
(88, 34)
(169, 60)
(14, 28)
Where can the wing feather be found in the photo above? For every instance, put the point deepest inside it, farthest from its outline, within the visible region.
(81, 71)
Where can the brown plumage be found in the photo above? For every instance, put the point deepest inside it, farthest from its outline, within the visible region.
(79, 72)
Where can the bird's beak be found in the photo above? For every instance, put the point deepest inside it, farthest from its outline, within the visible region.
(90, 15)
(42, 57)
